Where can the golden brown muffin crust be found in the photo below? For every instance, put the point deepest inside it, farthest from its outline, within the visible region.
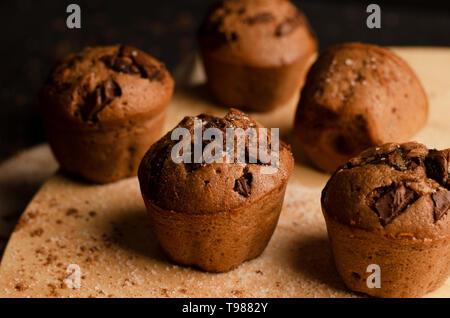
(398, 190)
(103, 85)
(357, 96)
(260, 33)
(222, 186)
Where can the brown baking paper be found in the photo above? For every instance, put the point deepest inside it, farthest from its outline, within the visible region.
(105, 232)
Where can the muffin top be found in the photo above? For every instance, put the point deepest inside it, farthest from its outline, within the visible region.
(357, 96)
(209, 187)
(103, 85)
(260, 33)
(399, 190)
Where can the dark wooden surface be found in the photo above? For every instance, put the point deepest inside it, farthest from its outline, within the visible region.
(34, 36)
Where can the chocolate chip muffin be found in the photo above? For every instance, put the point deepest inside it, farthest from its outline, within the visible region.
(103, 108)
(213, 215)
(390, 207)
(357, 96)
(255, 52)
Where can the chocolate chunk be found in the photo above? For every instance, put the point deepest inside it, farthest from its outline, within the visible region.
(132, 61)
(110, 90)
(393, 202)
(120, 64)
(95, 101)
(125, 65)
(145, 66)
(437, 165)
(243, 184)
(441, 199)
(152, 72)
(396, 160)
(128, 51)
(212, 121)
(263, 17)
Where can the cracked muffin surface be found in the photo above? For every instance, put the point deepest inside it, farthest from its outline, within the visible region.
(106, 85)
(214, 215)
(221, 186)
(401, 191)
(256, 52)
(263, 33)
(387, 217)
(357, 96)
(102, 108)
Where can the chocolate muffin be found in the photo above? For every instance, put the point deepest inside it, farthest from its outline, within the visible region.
(103, 108)
(390, 207)
(255, 52)
(357, 96)
(213, 215)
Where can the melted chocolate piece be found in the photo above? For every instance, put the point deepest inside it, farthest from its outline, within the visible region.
(441, 199)
(130, 60)
(243, 184)
(121, 64)
(210, 121)
(399, 159)
(437, 165)
(393, 202)
(95, 101)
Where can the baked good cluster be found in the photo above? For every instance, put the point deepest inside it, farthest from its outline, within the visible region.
(360, 105)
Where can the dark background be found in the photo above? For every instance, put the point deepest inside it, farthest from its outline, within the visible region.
(34, 36)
